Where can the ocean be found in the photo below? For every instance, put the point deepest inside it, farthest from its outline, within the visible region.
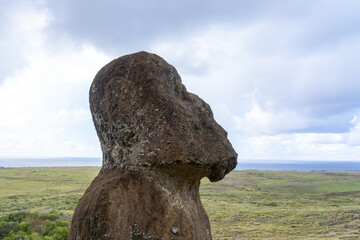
(50, 162)
(270, 165)
(299, 165)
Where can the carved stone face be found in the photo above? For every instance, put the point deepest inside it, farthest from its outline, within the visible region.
(144, 117)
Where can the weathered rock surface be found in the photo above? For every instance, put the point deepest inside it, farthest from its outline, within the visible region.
(158, 141)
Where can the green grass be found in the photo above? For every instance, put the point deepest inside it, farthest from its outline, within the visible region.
(284, 205)
(44, 189)
(245, 205)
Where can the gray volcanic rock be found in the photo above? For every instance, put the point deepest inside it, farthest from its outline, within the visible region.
(158, 141)
(145, 117)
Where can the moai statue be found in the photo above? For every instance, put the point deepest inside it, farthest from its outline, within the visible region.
(158, 142)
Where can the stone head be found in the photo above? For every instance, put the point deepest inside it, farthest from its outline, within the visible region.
(145, 118)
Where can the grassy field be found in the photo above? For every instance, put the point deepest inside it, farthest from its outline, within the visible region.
(245, 205)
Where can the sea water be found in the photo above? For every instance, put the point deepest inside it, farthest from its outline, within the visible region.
(299, 165)
(50, 162)
(271, 165)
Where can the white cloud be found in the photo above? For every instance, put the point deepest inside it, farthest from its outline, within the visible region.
(299, 146)
(63, 117)
(354, 136)
(48, 84)
(51, 142)
(260, 121)
(23, 30)
(283, 81)
(43, 102)
(277, 101)
(226, 62)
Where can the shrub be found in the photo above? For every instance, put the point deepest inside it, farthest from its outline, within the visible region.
(36, 225)
(21, 216)
(7, 227)
(33, 226)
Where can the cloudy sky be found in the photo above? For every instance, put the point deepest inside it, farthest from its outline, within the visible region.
(282, 77)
